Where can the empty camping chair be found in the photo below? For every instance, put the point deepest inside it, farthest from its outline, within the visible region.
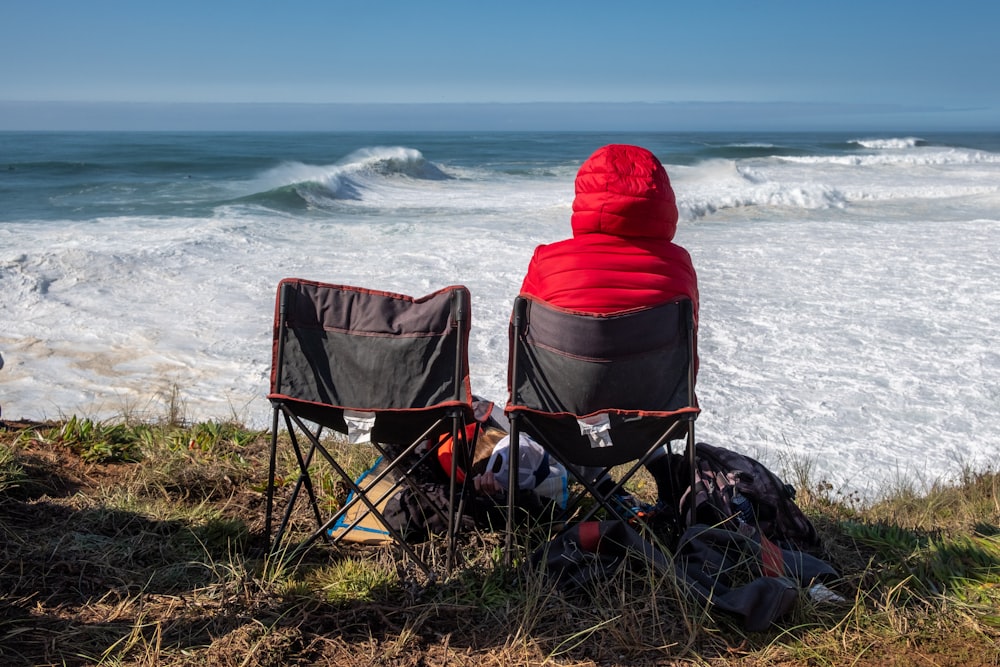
(377, 367)
(599, 391)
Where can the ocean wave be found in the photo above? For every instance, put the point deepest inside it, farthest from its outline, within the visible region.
(889, 144)
(286, 198)
(717, 185)
(394, 161)
(796, 197)
(736, 151)
(927, 156)
(785, 187)
(296, 186)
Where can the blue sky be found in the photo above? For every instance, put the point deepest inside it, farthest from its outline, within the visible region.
(720, 64)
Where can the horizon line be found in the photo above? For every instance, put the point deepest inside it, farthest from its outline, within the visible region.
(689, 115)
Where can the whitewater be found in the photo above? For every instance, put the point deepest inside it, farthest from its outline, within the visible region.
(849, 284)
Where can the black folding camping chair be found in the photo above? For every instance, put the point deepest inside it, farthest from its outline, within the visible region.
(600, 391)
(378, 367)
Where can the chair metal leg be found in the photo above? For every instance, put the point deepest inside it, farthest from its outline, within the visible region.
(513, 463)
(271, 465)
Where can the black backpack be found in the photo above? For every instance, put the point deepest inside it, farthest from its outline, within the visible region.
(737, 492)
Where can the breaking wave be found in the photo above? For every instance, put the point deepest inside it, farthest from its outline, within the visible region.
(295, 186)
(925, 156)
(893, 143)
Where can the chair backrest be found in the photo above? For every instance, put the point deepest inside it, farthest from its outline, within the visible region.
(340, 350)
(635, 367)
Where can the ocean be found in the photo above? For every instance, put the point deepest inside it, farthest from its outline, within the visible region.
(849, 282)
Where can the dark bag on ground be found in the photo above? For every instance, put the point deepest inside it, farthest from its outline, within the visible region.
(730, 570)
(736, 492)
(719, 567)
(595, 550)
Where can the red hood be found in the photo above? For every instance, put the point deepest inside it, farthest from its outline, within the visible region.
(624, 190)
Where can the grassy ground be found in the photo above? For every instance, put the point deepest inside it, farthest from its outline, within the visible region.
(142, 544)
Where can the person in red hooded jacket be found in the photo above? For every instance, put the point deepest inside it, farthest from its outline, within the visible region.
(622, 255)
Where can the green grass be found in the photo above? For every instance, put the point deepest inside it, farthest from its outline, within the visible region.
(11, 472)
(141, 543)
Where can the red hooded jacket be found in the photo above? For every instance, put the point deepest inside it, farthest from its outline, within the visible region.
(621, 255)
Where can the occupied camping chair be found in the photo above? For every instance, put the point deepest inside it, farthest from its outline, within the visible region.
(379, 367)
(599, 391)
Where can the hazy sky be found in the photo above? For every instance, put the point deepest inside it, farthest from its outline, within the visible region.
(922, 62)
